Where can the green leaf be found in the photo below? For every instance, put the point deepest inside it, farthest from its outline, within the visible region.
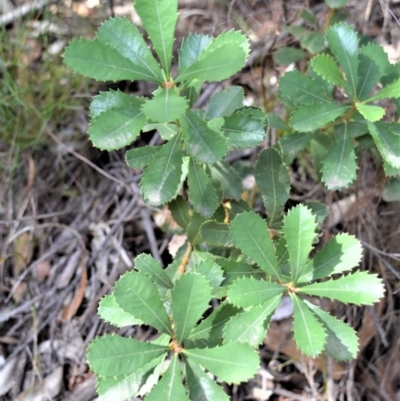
(391, 191)
(162, 177)
(341, 340)
(170, 387)
(371, 113)
(201, 387)
(112, 355)
(250, 326)
(299, 232)
(391, 91)
(320, 210)
(125, 387)
(373, 62)
(387, 139)
(222, 58)
(124, 37)
(138, 295)
(288, 55)
(311, 117)
(189, 300)
(111, 312)
(146, 264)
(245, 128)
(341, 253)
(211, 271)
(180, 211)
(300, 90)
(292, 144)
(343, 43)
(232, 363)
(202, 143)
(191, 49)
(119, 124)
(309, 333)
(110, 100)
(201, 190)
(359, 288)
(97, 60)
(275, 121)
(273, 180)
(250, 234)
(216, 234)
(234, 270)
(165, 106)
(339, 166)
(224, 103)
(193, 228)
(141, 157)
(314, 42)
(325, 66)
(335, 3)
(230, 180)
(309, 16)
(166, 131)
(247, 292)
(209, 331)
(159, 19)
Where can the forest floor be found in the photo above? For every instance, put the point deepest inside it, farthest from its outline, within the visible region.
(72, 219)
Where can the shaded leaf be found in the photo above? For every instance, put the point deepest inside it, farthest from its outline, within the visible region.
(230, 180)
(273, 180)
(309, 333)
(189, 300)
(300, 89)
(250, 234)
(232, 363)
(162, 177)
(166, 130)
(373, 61)
(180, 211)
(201, 387)
(288, 55)
(339, 166)
(359, 288)
(209, 332)
(138, 295)
(216, 234)
(292, 144)
(387, 139)
(234, 270)
(314, 42)
(202, 193)
(202, 143)
(211, 271)
(224, 103)
(141, 157)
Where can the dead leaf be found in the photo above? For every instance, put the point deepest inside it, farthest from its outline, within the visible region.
(23, 251)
